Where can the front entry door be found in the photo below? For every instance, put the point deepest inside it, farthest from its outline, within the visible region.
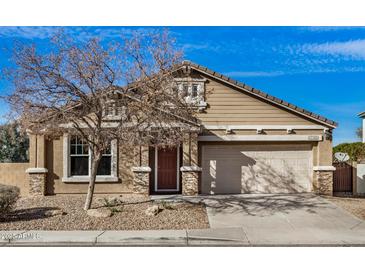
(167, 169)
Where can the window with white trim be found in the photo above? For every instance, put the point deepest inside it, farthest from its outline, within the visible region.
(192, 91)
(79, 154)
(105, 165)
(80, 159)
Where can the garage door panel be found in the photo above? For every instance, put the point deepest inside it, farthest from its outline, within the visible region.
(256, 169)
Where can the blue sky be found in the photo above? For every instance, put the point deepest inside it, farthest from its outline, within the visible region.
(321, 69)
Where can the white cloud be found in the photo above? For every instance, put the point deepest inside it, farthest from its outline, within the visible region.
(188, 47)
(329, 28)
(304, 70)
(28, 32)
(79, 33)
(352, 48)
(254, 73)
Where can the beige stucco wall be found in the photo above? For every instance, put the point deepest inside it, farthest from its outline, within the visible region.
(54, 164)
(14, 174)
(325, 153)
(227, 105)
(37, 150)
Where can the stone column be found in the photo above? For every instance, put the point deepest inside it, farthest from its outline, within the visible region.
(324, 182)
(37, 172)
(37, 179)
(141, 180)
(141, 171)
(190, 169)
(190, 180)
(323, 169)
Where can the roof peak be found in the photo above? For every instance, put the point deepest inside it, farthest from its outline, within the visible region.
(186, 62)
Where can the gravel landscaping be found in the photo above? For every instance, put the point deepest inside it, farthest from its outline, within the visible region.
(355, 206)
(36, 214)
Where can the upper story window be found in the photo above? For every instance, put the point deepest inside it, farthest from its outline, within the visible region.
(193, 91)
(80, 158)
(113, 109)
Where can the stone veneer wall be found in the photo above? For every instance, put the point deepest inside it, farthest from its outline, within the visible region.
(324, 182)
(37, 184)
(190, 181)
(141, 182)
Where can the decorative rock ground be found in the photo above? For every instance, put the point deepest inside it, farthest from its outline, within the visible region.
(152, 210)
(99, 213)
(28, 214)
(55, 212)
(109, 201)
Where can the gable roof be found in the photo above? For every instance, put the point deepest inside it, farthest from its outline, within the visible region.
(258, 93)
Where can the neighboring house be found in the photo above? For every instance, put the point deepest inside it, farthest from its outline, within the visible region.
(249, 142)
(362, 116)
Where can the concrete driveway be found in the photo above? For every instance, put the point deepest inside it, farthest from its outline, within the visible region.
(302, 219)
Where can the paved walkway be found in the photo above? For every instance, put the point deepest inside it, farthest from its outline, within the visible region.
(243, 220)
(203, 237)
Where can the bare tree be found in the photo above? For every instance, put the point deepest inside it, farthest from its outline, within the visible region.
(123, 91)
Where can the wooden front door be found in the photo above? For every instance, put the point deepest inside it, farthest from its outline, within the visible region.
(167, 172)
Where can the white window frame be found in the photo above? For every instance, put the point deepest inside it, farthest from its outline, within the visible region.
(78, 155)
(85, 178)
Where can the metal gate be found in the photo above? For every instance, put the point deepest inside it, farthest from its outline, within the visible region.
(342, 177)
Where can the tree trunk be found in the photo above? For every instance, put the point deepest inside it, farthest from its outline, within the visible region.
(94, 168)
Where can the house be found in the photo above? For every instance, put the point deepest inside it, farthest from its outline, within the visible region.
(362, 116)
(249, 142)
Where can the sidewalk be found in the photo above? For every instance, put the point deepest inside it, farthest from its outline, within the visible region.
(234, 236)
(203, 237)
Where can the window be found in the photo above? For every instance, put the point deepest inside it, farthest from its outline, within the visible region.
(111, 109)
(185, 90)
(79, 153)
(185, 87)
(80, 159)
(105, 163)
(194, 92)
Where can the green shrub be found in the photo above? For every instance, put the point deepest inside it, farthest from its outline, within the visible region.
(8, 197)
(116, 210)
(356, 151)
(14, 144)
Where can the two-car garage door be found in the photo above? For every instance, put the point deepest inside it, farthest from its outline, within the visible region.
(264, 168)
